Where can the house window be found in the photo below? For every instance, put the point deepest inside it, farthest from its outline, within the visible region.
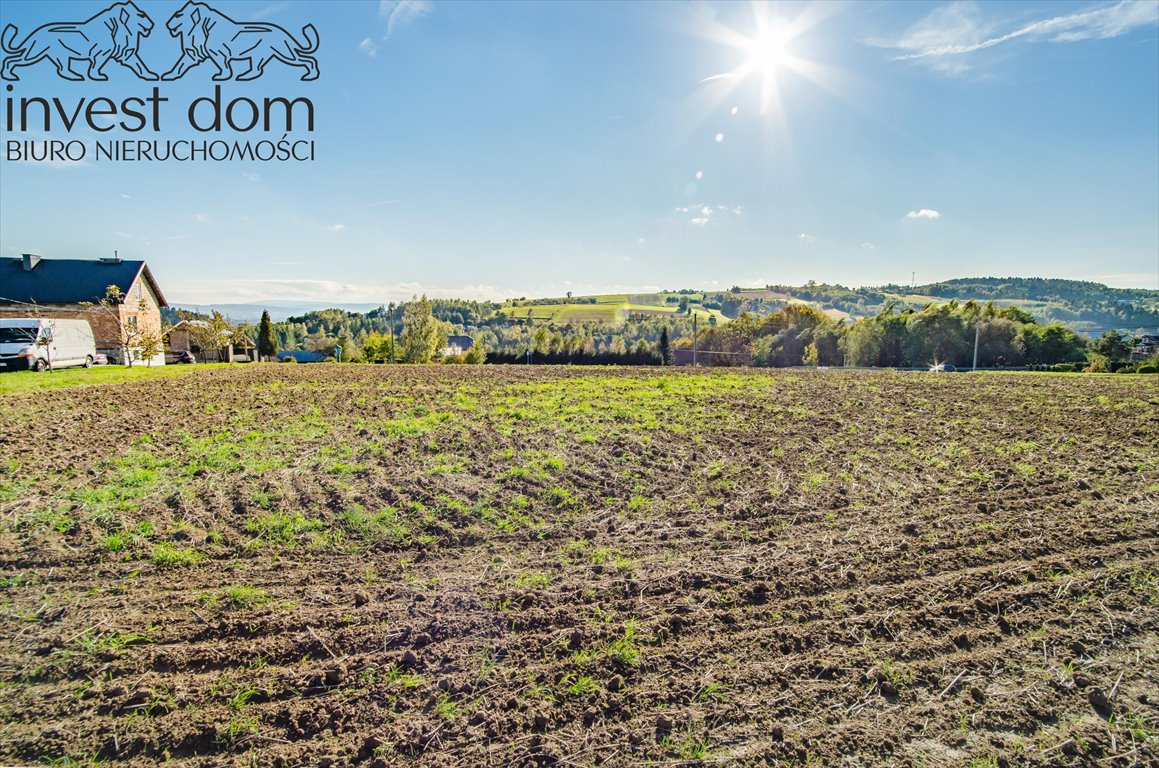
(131, 323)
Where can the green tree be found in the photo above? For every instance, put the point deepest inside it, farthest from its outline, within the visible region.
(937, 334)
(376, 348)
(267, 341)
(149, 345)
(320, 341)
(1113, 346)
(210, 335)
(827, 339)
(998, 342)
(1052, 343)
(811, 355)
(476, 355)
(541, 341)
(877, 341)
(350, 351)
(665, 348)
(422, 334)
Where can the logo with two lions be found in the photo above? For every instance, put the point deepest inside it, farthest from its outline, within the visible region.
(114, 34)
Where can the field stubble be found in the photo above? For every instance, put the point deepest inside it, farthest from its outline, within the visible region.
(354, 565)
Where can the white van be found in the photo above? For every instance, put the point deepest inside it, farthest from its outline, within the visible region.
(30, 343)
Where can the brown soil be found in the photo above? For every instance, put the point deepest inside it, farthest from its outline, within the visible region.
(581, 568)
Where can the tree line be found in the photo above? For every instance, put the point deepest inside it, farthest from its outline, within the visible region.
(934, 334)
(795, 335)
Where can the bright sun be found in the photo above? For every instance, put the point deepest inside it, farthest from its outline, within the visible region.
(769, 52)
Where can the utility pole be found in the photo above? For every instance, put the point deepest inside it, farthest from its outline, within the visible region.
(977, 334)
(694, 316)
(392, 331)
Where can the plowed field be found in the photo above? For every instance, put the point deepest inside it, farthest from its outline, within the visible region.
(451, 566)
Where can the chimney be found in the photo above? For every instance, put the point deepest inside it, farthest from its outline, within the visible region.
(30, 261)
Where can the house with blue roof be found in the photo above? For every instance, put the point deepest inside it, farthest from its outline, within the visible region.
(32, 286)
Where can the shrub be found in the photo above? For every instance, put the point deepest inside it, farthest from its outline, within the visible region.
(1147, 368)
(289, 359)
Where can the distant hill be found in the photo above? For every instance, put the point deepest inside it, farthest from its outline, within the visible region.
(1087, 307)
(279, 310)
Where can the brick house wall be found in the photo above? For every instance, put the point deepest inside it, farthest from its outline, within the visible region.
(104, 322)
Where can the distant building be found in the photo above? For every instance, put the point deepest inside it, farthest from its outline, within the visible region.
(1148, 346)
(32, 286)
(457, 345)
(182, 338)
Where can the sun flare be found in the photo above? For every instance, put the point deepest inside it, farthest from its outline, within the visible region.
(768, 53)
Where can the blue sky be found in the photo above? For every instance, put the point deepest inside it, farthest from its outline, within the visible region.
(494, 150)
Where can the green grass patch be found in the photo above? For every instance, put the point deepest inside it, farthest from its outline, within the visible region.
(18, 382)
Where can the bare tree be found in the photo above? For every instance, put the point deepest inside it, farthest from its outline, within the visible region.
(212, 334)
(129, 331)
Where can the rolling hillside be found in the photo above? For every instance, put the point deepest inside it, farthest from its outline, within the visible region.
(1088, 307)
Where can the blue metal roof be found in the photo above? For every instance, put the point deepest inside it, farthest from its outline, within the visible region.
(301, 355)
(69, 281)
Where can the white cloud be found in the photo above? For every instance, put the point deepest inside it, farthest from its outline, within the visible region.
(950, 33)
(335, 227)
(248, 176)
(702, 213)
(640, 241)
(201, 218)
(924, 213)
(402, 12)
(1149, 280)
(806, 237)
(119, 233)
(127, 197)
(368, 47)
(869, 247)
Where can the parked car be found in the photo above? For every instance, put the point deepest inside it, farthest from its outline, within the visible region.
(101, 359)
(185, 356)
(32, 343)
(943, 368)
